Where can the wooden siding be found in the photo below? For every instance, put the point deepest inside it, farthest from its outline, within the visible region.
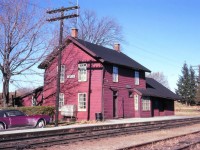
(27, 101)
(102, 88)
(126, 82)
(162, 107)
(71, 56)
(169, 107)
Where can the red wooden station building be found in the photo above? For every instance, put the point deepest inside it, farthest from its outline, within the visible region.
(95, 79)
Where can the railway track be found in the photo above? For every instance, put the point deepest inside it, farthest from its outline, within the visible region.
(189, 145)
(182, 143)
(50, 137)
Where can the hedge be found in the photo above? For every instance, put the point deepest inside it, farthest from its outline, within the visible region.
(36, 110)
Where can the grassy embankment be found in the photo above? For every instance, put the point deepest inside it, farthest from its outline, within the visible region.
(184, 110)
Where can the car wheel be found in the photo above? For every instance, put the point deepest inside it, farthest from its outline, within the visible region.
(40, 124)
(1, 126)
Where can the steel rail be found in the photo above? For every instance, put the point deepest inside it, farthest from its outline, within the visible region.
(186, 146)
(65, 136)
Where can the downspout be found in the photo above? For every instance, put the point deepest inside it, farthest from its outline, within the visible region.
(123, 106)
(102, 92)
(89, 90)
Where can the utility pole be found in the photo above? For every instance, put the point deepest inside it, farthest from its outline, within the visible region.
(61, 19)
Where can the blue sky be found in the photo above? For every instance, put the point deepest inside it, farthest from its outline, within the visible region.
(159, 34)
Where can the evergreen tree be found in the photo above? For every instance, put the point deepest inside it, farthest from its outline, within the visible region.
(197, 96)
(186, 85)
(183, 83)
(193, 87)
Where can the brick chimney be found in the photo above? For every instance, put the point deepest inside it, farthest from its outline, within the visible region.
(117, 47)
(74, 33)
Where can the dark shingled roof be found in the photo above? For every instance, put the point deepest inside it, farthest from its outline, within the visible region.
(112, 56)
(38, 89)
(155, 89)
(100, 52)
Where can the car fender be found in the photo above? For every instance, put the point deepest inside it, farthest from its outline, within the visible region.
(43, 120)
(34, 120)
(46, 118)
(6, 122)
(5, 126)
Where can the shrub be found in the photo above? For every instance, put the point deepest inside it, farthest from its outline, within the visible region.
(47, 110)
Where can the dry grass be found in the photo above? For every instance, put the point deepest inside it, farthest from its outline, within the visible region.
(87, 122)
(184, 110)
(65, 123)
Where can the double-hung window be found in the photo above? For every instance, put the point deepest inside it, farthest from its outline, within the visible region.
(34, 101)
(62, 74)
(61, 100)
(82, 72)
(115, 74)
(146, 103)
(136, 101)
(82, 101)
(137, 78)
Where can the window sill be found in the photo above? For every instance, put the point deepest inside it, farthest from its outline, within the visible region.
(84, 110)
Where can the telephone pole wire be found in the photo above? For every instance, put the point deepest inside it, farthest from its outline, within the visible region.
(61, 19)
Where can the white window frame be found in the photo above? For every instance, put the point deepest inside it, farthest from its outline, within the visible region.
(146, 104)
(61, 100)
(137, 78)
(62, 74)
(115, 74)
(82, 103)
(136, 102)
(33, 101)
(82, 72)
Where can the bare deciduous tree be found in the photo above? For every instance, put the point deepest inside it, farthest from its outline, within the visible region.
(103, 31)
(21, 42)
(160, 77)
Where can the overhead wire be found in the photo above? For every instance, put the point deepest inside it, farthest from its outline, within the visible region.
(158, 59)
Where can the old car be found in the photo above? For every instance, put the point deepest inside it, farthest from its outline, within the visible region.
(17, 119)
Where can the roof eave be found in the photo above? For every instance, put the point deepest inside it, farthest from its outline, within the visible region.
(31, 92)
(134, 68)
(86, 49)
(42, 66)
(45, 64)
(152, 95)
